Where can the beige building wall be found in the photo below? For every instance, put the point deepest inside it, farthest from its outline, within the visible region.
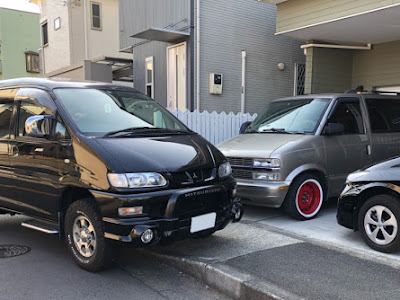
(377, 68)
(76, 40)
(57, 53)
(106, 40)
(294, 14)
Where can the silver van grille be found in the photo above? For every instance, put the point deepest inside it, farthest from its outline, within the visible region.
(240, 161)
(242, 173)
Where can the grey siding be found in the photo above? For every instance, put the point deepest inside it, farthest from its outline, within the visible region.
(139, 15)
(378, 67)
(159, 52)
(227, 28)
(328, 70)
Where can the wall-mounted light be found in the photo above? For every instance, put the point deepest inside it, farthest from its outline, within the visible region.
(281, 66)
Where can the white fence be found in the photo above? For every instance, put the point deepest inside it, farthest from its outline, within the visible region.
(214, 127)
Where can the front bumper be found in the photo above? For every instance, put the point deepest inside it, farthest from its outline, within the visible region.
(347, 208)
(168, 213)
(268, 194)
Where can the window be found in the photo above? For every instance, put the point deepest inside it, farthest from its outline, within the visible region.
(348, 113)
(96, 15)
(33, 102)
(32, 62)
(384, 115)
(45, 36)
(150, 76)
(57, 23)
(6, 108)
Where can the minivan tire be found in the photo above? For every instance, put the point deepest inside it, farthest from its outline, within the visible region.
(376, 211)
(85, 236)
(305, 197)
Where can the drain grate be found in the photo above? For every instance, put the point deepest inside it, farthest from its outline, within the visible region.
(7, 251)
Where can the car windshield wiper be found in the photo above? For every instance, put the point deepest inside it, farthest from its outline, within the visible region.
(139, 130)
(278, 130)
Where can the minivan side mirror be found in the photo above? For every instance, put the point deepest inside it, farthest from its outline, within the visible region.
(333, 129)
(244, 126)
(38, 126)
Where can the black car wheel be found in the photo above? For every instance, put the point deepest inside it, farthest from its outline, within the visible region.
(85, 236)
(378, 221)
(305, 197)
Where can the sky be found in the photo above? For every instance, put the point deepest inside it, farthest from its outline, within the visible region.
(20, 5)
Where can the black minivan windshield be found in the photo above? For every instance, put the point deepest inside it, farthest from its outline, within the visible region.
(297, 116)
(115, 113)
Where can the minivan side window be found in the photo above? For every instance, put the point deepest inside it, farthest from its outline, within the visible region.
(384, 115)
(348, 113)
(6, 109)
(32, 102)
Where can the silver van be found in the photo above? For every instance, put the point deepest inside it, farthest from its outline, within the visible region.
(299, 150)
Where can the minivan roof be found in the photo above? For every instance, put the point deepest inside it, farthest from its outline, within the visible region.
(55, 83)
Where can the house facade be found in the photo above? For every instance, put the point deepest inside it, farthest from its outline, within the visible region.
(209, 55)
(19, 44)
(348, 43)
(80, 40)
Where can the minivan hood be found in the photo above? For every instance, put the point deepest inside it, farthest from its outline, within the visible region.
(160, 154)
(256, 144)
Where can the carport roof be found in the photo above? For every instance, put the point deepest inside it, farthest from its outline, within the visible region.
(372, 27)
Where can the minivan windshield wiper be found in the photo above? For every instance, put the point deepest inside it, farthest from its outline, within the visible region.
(278, 130)
(140, 130)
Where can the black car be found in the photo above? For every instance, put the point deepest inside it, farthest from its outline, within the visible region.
(370, 203)
(99, 163)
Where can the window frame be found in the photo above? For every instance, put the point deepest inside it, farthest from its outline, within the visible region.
(100, 28)
(345, 100)
(29, 62)
(149, 59)
(45, 37)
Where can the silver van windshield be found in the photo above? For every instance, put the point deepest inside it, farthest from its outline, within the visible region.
(290, 116)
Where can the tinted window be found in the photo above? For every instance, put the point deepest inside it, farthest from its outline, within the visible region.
(348, 113)
(384, 115)
(96, 21)
(6, 107)
(33, 102)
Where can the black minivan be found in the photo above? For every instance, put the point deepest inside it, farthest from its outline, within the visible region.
(99, 164)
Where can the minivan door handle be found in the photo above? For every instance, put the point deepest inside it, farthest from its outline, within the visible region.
(368, 149)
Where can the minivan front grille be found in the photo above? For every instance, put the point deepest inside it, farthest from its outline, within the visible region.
(240, 161)
(192, 177)
(242, 173)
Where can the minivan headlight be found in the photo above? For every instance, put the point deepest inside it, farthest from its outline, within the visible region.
(224, 170)
(266, 163)
(136, 180)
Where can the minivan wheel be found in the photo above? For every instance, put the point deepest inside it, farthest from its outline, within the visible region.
(378, 221)
(85, 236)
(305, 197)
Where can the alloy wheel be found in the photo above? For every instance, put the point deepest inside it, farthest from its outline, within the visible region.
(380, 225)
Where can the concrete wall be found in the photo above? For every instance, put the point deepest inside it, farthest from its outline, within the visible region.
(19, 33)
(227, 28)
(298, 13)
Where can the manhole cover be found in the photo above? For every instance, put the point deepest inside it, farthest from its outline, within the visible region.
(7, 251)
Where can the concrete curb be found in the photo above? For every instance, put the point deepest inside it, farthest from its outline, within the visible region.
(230, 281)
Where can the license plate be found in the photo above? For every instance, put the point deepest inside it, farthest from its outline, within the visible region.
(203, 222)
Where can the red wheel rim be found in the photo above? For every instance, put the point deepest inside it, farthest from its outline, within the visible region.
(308, 197)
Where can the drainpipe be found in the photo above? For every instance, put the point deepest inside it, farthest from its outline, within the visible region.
(243, 97)
(198, 56)
(86, 30)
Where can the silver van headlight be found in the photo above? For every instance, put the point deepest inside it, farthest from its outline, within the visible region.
(266, 162)
(136, 180)
(224, 170)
